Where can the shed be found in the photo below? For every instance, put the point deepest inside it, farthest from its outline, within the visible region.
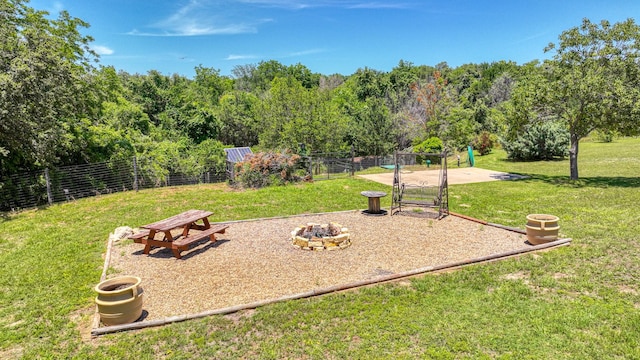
(235, 155)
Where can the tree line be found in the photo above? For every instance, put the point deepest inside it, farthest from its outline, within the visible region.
(59, 106)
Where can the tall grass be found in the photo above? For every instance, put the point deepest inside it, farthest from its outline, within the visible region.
(581, 301)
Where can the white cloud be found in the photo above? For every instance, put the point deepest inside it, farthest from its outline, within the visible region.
(241, 57)
(349, 4)
(58, 6)
(196, 29)
(229, 17)
(102, 50)
(306, 52)
(232, 57)
(287, 4)
(53, 9)
(532, 37)
(378, 5)
(199, 18)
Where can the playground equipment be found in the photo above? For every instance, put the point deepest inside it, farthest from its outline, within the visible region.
(422, 194)
(472, 161)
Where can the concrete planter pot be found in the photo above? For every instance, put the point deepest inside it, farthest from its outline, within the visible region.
(542, 228)
(119, 300)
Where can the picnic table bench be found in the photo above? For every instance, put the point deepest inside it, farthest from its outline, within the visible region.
(187, 221)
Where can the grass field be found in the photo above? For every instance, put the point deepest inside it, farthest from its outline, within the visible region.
(581, 301)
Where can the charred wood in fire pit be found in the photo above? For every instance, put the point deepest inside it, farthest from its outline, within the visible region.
(319, 231)
(321, 237)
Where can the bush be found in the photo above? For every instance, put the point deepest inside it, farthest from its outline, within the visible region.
(605, 136)
(540, 141)
(431, 145)
(269, 168)
(484, 142)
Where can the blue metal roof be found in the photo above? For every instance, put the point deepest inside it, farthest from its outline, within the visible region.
(235, 155)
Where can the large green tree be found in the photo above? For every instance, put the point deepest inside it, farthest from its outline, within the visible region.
(291, 114)
(257, 78)
(592, 82)
(150, 91)
(371, 128)
(237, 114)
(44, 90)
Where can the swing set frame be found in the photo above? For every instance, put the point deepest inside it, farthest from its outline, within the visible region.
(421, 195)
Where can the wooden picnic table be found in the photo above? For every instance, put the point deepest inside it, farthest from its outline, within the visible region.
(187, 221)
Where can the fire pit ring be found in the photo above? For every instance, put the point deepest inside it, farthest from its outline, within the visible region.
(318, 237)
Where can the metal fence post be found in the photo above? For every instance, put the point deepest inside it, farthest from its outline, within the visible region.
(329, 164)
(135, 174)
(353, 163)
(46, 178)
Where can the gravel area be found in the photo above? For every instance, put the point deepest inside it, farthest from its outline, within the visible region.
(255, 260)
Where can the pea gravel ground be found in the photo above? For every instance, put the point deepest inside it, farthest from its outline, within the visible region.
(255, 260)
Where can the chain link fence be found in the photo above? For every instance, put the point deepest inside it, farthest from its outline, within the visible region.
(327, 166)
(28, 190)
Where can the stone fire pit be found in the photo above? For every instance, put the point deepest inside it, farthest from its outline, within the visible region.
(321, 237)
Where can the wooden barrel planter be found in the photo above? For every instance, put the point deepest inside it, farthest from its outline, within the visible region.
(119, 300)
(542, 228)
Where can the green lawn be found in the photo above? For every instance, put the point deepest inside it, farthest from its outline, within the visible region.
(581, 301)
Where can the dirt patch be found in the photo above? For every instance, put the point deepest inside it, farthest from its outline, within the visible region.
(83, 320)
(239, 315)
(14, 352)
(627, 290)
(520, 275)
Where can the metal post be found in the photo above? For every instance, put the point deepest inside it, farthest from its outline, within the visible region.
(328, 168)
(49, 195)
(135, 174)
(353, 165)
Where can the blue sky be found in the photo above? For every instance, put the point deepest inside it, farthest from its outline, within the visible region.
(327, 36)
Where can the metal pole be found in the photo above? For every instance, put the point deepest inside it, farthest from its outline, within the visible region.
(135, 174)
(329, 169)
(353, 165)
(49, 195)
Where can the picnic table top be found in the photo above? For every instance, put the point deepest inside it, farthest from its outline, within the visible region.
(179, 220)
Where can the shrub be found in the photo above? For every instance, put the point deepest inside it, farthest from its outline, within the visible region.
(268, 168)
(540, 141)
(431, 145)
(605, 136)
(484, 142)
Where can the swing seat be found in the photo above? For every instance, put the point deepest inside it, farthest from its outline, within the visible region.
(419, 195)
